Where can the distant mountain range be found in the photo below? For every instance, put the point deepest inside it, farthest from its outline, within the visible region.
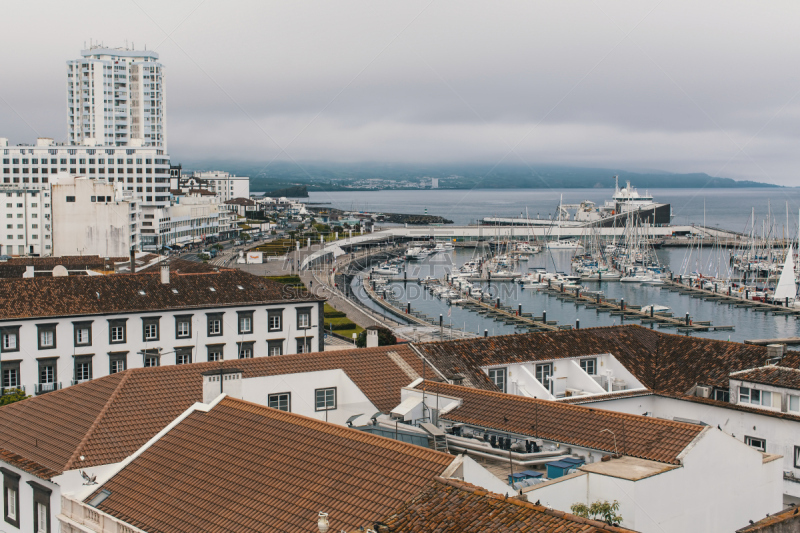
(320, 176)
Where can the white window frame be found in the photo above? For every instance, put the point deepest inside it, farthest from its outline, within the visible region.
(117, 333)
(151, 331)
(586, 363)
(9, 341)
(276, 401)
(326, 402)
(184, 328)
(792, 398)
(11, 499)
(214, 326)
(274, 322)
(82, 336)
(304, 320)
(46, 338)
(499, 377)
(41, 511)
(754, 441)
(246, 324)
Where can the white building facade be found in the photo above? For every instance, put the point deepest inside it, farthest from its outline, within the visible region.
(143, 171)
(115, 97)
(93, 217)
(223, 184)
(49, 353)
(26, 217)
(192, 218)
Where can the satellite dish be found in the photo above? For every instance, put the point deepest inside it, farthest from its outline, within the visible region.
(60, 271)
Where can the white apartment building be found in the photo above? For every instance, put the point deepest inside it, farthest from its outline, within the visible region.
(223, 184)
(26, 219)
(115, 97)
(144, 171)
(192, 218)
(93, 217)
(93, 326)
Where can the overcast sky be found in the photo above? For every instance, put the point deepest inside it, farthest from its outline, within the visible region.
(675, 85)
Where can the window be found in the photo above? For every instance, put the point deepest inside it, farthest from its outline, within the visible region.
(303, 318)
(543, 373)
(281, 401)
(215, 352)
(116, 331)
(214, 324)
(83, 333)
(793, 403)
(151, 358)
(150, 328)
(325, 399)
(797, 456)
(589, 366)
(755, 442)
(10, 374)
(117, 362)
(47, 336)
(275, 347)
(83, 369)
(245, 322)
(183, 326)
(70, 198)
(275, 320)
(756, 397)
(722, 395)
(47, 375)
(304, 344)
(245, 350)
(183, 356)
(498, 377)
(10, 339)
(10, 497)
(41, 504)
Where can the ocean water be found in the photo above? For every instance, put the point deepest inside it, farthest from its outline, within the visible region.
(726, 208)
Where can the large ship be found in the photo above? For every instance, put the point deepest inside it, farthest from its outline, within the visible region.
(625, 202)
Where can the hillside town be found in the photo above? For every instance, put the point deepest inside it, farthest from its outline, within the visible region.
(180, 353)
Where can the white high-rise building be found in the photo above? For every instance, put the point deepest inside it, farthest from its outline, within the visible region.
(115, 97)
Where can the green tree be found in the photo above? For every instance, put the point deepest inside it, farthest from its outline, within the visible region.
(385, 338)
(244, 236)
(11, 396)
(599, 510)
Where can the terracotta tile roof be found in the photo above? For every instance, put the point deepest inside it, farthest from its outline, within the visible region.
(452, 506)
(15, 267)
(782, 521)
(240, 201)
(108, 418)
(637, 436)
(120, 293)
(660, 361)
(182, 266)
(245, 467)
(778, 376)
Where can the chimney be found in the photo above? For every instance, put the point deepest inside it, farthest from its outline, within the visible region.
(372, 338)
(165, 275)
(28, 272)
(227, 380)
(133, 260)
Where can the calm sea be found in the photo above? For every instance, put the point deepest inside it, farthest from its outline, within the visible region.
(726, 208)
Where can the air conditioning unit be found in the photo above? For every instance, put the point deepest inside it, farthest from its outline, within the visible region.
(703, 391)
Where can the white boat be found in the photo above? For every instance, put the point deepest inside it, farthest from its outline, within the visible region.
(387, 270)
(634, 278)
(476, 292)
(566, 244)
(533, 285)
(655, 308)
(414, 254)
(786, 290)
(652, 281)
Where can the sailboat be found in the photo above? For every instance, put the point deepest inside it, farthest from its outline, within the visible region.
(786, 291)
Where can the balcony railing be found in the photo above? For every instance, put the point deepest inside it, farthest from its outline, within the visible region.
(12, 390)
(42, 388)
(79, 381)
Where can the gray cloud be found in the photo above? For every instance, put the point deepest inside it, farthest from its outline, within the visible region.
(675, 85)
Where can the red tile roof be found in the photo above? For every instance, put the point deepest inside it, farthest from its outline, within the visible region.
(637, 436)
(108, 418)
(452, 506)
(777, 376)
(121, 293)
(662, 362)
(248, 468)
